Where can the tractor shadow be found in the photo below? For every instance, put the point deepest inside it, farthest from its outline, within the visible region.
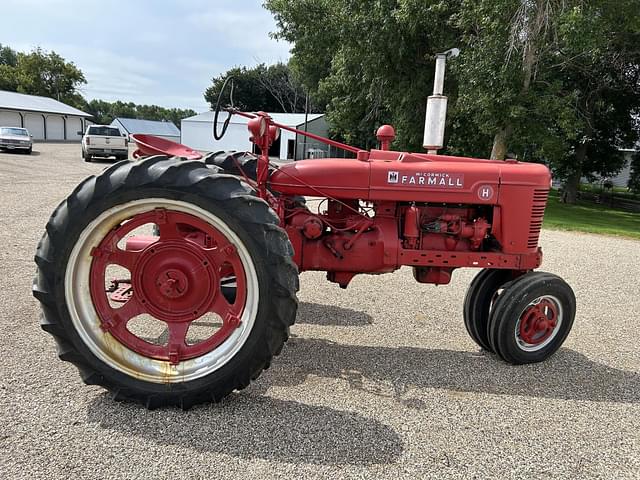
(567, 375)
(330, 315)
(252, 426)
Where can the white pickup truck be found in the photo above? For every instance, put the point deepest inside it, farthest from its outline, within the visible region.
(104, 141)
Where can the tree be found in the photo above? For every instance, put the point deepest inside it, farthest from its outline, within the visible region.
(8, 56)
(554, 81)
(370, 62)
(48, 74)
(634, 177)
(599, 63)
(105, 112)
(8, 61)
(550, 80)
(274, 88)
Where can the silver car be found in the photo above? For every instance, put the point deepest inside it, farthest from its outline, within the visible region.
(16, 138)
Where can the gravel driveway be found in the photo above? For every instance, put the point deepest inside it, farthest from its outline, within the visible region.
(379, 380)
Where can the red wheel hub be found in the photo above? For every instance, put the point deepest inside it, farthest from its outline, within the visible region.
(172, 283)
(538, 322)
(175, 278)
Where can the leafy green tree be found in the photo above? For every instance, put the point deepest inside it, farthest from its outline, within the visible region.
(544, 80)
(105, 112)
(634, 178)
(48, 74)
(274, 88)
(370, 62)
(8, 61)
(599, 67)
(8, 56)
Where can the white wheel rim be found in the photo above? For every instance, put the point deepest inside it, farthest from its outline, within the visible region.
(530, 347)
(113, 353)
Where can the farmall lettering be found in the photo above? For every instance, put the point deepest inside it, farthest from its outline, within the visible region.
(427, 179)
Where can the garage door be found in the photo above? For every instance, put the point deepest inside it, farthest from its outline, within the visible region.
(55, 127)
(10, 119)
(74, 125)
(35, 124)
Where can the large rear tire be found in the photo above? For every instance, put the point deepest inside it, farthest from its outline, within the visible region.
(212, 229)
(245, 164)
(234, 163)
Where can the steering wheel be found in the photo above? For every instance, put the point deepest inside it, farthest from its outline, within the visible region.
(218, 135)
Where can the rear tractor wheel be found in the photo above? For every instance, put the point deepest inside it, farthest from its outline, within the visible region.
(245, 164)
(531, 318)
(180, 318)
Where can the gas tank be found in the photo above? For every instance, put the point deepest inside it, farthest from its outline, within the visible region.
(334, 177)
(398, 176)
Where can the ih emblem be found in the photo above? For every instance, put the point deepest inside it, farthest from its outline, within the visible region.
(393, 177)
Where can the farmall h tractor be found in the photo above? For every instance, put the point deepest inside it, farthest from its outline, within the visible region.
(171, 281)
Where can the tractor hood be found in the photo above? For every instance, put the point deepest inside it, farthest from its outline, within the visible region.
(397, 176)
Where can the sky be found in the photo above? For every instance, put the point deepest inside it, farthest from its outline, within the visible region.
(162, 52)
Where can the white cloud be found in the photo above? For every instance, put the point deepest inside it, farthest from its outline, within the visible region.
(146, 51)
(235, 29)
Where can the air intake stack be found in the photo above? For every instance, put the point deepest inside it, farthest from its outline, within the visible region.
(437, 106)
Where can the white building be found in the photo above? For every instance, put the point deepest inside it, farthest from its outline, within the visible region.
(197, 133)
(622, 178)
(45, 118)
(166, 130)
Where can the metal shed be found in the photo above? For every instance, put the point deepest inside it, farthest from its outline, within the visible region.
(45, 118)
(161, 129)
(197, 132)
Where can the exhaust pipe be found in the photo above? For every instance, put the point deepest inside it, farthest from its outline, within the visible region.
(436, 116)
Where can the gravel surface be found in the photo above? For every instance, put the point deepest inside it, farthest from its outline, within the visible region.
(379, 380)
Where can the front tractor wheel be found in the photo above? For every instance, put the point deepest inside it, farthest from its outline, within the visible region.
(531, 318)
(481, 294)
(178, 318)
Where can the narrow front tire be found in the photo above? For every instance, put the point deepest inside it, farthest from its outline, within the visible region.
(531, 318)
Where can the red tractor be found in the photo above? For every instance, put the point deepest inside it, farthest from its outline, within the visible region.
(173, 282)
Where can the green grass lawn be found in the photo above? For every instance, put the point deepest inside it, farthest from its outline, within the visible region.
(588, 217)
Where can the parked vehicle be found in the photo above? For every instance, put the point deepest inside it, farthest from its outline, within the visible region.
(104, 141)
(16, 138)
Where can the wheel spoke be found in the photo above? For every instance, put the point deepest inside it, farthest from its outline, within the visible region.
(120, 316)
(222, 254)
(167, 225)
(177, 340)
(124, 258)
(132, 308)
(221, 306)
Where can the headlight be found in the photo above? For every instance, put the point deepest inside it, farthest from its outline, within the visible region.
(24, 142)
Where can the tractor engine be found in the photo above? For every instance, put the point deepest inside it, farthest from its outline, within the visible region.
(444, 228)
(352, 237)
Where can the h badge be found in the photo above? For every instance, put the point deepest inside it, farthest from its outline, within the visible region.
(485, 192)
(392, 177)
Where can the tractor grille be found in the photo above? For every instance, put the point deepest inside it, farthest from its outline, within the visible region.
(540, 197)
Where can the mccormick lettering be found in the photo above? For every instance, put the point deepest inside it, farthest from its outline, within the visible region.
(428, 179)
